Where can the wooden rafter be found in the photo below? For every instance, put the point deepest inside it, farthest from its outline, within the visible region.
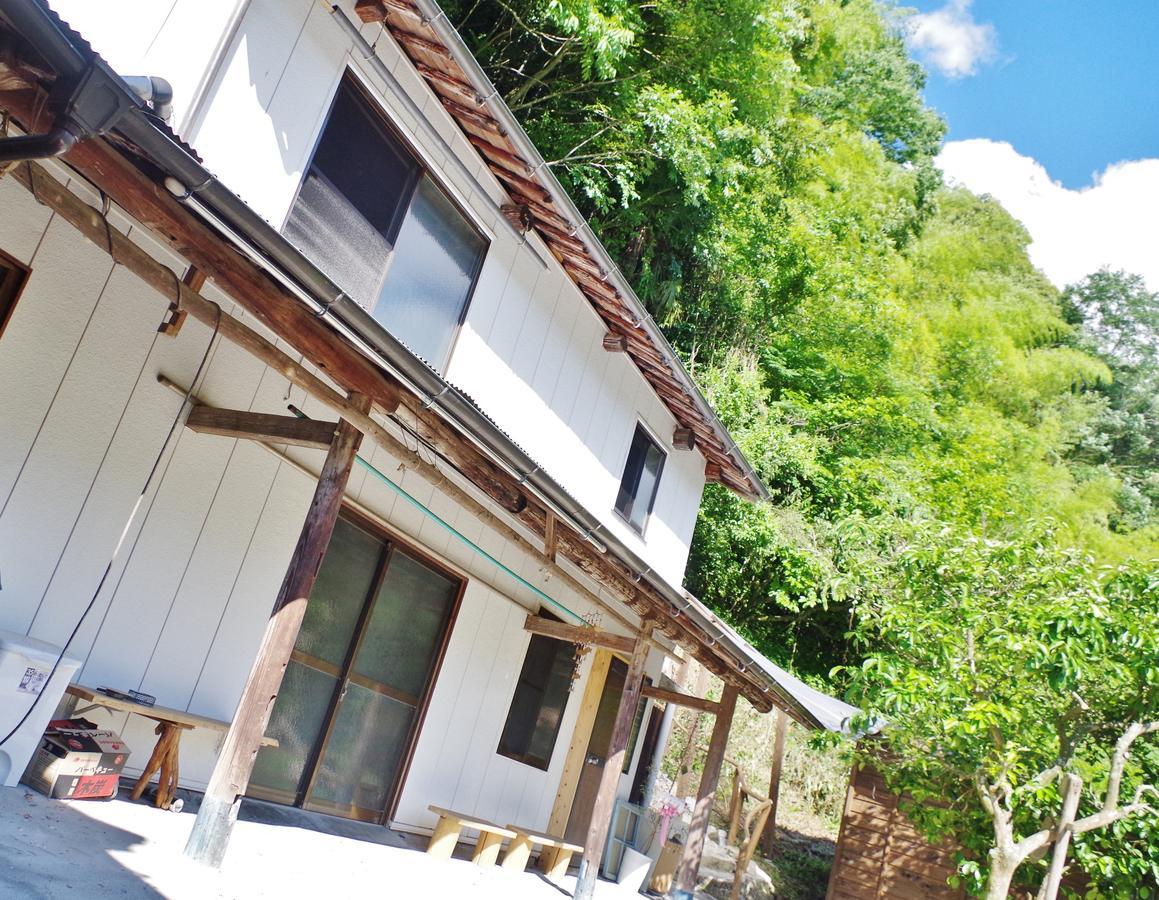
(579, 634)
(686, 700)
(265, 427)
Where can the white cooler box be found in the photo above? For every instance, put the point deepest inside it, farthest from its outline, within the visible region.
(24, 666)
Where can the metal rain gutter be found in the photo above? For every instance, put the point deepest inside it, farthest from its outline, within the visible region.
(293, 269)
(437, 19)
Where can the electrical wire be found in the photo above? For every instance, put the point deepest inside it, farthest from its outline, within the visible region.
(124, 531)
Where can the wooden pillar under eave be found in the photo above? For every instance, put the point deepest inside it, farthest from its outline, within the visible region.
(218, 813)
(769, 838)
(686, 874)
(605, 799)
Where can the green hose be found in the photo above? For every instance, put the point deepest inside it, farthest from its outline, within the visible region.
(466, 540)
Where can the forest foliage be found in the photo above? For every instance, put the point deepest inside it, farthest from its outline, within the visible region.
(878, 342)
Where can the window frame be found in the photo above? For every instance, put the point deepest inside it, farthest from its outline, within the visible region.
(650, 435)
(393, 129)
(14, 277)
(525, 758)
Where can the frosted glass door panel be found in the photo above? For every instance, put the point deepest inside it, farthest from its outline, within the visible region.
(405, 626)
(357, 772)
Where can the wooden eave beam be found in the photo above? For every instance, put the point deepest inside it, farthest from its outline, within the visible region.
(264, 427)
(686, 700)
(578, 634)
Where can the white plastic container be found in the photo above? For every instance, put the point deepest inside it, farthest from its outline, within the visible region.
(25, 664)
(634, 870)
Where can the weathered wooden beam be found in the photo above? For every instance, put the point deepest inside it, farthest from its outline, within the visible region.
(769, 838)
(605, 797)
(231, 774)
(684, 439)
(615, 343)
(686, 700)
(549, 543)
(694, 844)
(578, 634)
(255, 426)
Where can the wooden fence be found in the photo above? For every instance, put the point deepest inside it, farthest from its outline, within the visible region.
(880, 855)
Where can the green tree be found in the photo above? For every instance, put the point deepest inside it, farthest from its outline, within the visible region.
(1015, 681)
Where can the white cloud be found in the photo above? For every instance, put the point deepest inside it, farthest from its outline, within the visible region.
(1114, 222)
(951, 41)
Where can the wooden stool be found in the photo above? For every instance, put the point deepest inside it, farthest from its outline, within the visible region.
(450, 826)
(554, 859)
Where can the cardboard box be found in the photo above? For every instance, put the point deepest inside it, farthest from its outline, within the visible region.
(75, 763)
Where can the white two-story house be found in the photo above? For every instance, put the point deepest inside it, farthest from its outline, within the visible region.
(363, 233)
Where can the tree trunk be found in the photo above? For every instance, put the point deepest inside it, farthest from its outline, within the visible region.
(1072, 787)
(1002, 869)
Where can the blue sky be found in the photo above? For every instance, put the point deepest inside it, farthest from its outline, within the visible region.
(1071, 83)
(1053, 109)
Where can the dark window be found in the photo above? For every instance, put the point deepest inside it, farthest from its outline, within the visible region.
(540, 700)
(377, 224)
(12, 278)
(641, 479)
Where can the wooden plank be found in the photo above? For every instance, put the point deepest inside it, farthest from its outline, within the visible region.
(549, 544)
(218, 813)
(605, 798)
(769, 838)
(265, 427)
(580, 735)
(694, 844)
(578, 634)
(686, 700)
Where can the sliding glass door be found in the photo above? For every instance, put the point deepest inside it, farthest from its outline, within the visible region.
(358, 678)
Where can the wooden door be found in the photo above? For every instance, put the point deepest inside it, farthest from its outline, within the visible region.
(353, 692)
(598, 745)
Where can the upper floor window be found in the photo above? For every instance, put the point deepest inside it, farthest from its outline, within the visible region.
(641, 479)
(378, 225)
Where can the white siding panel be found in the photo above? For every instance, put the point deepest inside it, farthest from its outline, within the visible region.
(24, 221)
(217, 687)
(40, 340)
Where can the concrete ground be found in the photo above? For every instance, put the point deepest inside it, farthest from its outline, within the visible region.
(53, 849)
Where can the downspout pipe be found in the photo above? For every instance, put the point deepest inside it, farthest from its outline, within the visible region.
(287, 264)
(36, 146)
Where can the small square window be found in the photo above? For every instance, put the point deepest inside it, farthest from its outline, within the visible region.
(13, 275)
(641, 480)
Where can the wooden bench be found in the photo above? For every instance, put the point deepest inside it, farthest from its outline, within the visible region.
(451, 824)
(554, 859)
(170, 724)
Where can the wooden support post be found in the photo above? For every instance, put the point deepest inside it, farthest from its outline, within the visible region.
(605, 799)
(215, 820)
(736, 807)
(768, 839)
(694, 846)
